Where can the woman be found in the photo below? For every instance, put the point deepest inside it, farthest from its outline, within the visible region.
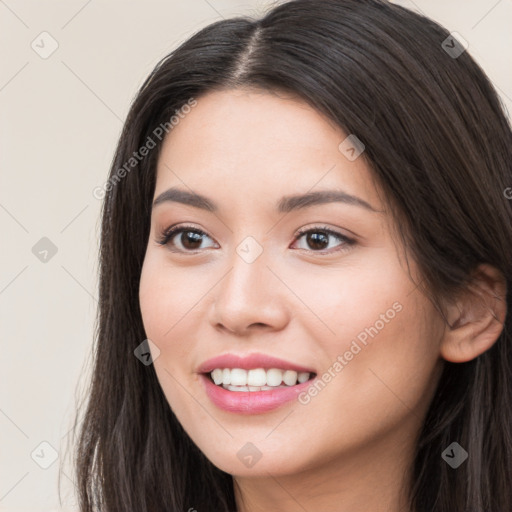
(306, 274)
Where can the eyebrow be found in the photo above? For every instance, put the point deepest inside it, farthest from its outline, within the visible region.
(285, 205)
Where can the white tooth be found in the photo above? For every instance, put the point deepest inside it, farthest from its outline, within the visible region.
(226, 376)
(238, 377)
(217, 376)
(274, 377)
(303, 377)
(257, 377)
(238, 388)
(290, 377)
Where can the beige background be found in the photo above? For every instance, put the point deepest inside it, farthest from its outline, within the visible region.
(60, 120)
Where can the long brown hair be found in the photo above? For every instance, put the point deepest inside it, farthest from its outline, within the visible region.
(438, 143)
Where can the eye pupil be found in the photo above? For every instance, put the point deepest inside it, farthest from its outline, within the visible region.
(315, 239)
(192, 237)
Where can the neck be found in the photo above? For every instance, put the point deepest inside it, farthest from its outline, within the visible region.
(376, 478)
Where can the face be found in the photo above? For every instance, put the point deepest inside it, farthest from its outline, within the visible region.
(254, 274)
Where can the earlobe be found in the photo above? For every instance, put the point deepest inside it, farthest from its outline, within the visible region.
(477, 317)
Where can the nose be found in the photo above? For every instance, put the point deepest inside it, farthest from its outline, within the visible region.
(249, 298)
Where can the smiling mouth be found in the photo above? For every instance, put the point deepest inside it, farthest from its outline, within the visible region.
(257, 379)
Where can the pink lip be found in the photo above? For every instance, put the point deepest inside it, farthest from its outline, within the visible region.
(249, 362)
(251, 402)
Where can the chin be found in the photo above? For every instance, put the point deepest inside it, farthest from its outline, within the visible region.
(259, 457)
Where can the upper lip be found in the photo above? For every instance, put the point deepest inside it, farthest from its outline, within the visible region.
(249, 362)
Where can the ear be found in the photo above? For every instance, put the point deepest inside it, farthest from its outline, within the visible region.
(476, 317)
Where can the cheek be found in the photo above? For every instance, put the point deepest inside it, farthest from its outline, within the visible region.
(346, 301)
(173, 314)
(387, 369)
(152, 299)
(378, 333)
(166, 295)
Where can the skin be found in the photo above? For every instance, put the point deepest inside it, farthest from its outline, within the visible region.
(349, 447)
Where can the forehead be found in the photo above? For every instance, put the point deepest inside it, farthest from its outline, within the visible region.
(263, 142)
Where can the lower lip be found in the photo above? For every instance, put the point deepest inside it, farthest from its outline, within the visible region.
(251, 402)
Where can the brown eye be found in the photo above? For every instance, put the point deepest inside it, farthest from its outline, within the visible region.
(318, 239)
(183, 238)
(190, 239)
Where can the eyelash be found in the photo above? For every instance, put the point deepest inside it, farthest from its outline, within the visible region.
(170, 232)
